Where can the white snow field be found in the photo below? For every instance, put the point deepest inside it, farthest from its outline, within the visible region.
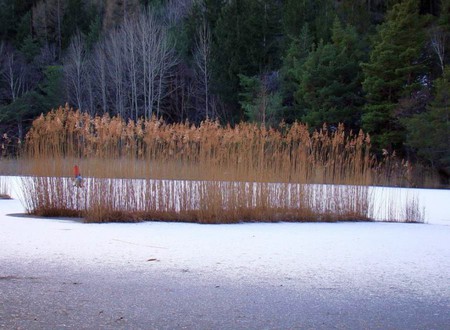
(62, 273)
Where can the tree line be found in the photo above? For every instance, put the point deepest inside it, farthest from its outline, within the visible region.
(376, 65)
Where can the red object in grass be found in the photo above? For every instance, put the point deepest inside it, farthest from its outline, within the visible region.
(76, 170)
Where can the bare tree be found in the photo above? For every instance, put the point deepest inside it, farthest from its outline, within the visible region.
(166, 61)
(118, 10)
(202, 59)
(74, 68)
(155, 59)
(14, 74)
(130, 56)
(116, 70)
(127, 73)
(438, 39)
(98, 69)
(177, 10)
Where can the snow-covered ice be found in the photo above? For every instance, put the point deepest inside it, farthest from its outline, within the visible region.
(371, 258)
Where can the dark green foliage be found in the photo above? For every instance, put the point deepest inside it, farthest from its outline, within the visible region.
(259, 99)
(24, 28)
(329, 87)
(429, 132)
(316, 63)
(298, 50)
(355, 13)
(7, 20)
(50, 91)
(12, 13)
(317, 14)
(203, 12)
(78, 16)
(394, 70)
(25, 108)
(245, 42)
(30, 48)
(95, 29)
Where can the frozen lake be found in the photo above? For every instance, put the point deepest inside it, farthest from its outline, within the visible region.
(57, 273)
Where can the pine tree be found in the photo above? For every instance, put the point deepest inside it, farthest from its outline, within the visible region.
(30, 48)
(78, 17)
(394, 70)
(355, 13)
(245, 42)
(317, 14)
(298, 50)
(330, 81)
(260, 99)
(429, 132)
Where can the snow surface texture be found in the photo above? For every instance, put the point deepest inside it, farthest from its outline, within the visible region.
(384, 264)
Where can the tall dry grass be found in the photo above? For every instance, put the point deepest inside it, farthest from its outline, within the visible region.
(208, 173)
(5, 189)
(106, 146)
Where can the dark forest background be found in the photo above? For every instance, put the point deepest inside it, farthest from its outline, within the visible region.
(375, 65)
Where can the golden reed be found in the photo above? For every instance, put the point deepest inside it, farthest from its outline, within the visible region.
(151, 170)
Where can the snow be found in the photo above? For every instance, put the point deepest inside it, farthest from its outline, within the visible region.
(372, 259)
(256, 250)
(343, 251)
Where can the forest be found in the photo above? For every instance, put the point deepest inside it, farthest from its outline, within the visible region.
(375, 65)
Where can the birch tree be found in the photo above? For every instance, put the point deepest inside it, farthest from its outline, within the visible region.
(75, 71)
(116, 71)
(438, 40)
(130, 56)
(98, 66)
(202, 59)
(14, 75)
(129, 69)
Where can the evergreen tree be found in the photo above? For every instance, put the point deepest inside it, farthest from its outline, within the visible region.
(77, 17)
(394, 70)
(355, 13)
(260, 99)
(94, 33)
(317, 14)
(245, 43)
(50, 93)
(202, 12)
(429, 132)
(24, 29)
(7, 23)
(25, 108)
(30, 48)
(298, 51)
(330, 80)
(11, 17)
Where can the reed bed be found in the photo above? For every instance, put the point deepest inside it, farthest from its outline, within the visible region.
(112, 147)
(151, 170)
